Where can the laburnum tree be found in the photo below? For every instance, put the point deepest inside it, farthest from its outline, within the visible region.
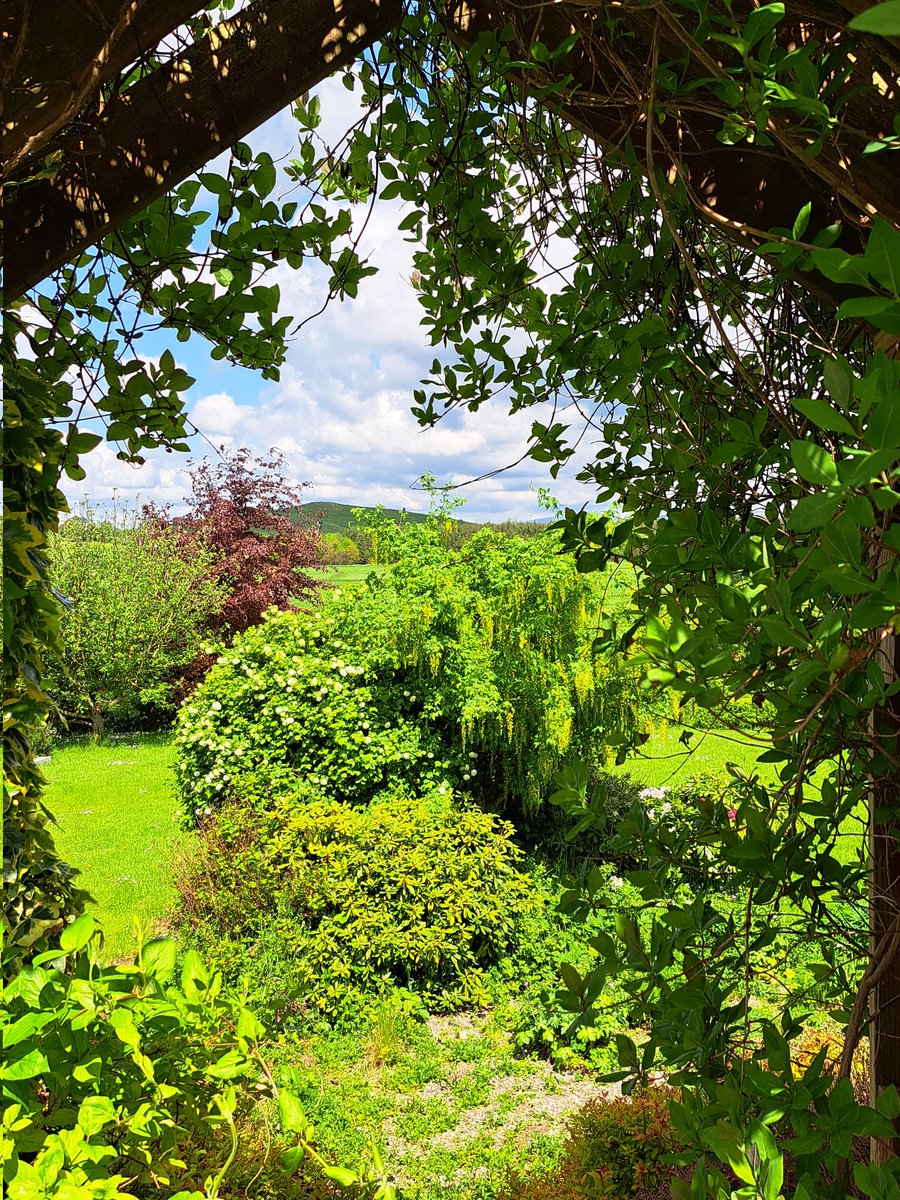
(678, 225)
(244, 513)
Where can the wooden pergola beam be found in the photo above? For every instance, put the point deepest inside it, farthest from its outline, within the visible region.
(165, 127)
(63, 52)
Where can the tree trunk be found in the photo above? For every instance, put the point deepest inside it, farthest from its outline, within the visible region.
(884, 852)
(97, 723)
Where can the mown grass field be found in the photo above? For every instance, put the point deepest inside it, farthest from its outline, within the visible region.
(664, 760)
(117, 812)
(348, 573)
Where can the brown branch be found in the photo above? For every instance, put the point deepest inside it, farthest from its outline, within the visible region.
(880, 962)
(18, 48)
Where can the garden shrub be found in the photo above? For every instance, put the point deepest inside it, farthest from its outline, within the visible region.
(327, 906)
(525, 983)
(292, 699)
(338, 549)
(135, 614)
(614, 1151)
(115, 1078)
(499, 639)
(615, 818)
(480, 659)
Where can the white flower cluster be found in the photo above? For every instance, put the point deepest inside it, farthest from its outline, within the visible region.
(655, 793)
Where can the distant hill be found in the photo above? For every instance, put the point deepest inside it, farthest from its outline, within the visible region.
(336, 518)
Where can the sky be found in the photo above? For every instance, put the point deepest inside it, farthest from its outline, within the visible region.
(340, 412)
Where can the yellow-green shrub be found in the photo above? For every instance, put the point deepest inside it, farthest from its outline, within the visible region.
(327, 906)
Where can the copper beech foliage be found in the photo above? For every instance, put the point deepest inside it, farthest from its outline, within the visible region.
(243, 509)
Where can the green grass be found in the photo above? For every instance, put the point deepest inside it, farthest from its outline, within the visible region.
(349, 573)
(665, 761)
(116, 808)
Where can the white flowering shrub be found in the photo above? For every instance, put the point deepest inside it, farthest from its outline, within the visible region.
(290, 695)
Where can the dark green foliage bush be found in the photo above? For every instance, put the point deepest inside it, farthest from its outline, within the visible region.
(326, 906)
(615, 1151)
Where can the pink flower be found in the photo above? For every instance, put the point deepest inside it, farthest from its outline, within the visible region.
(732, 814)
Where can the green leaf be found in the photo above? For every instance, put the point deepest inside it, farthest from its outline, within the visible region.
(802, 221)
(571, 978)
(82, 443)
(25, 1027)
(157, 958)
(726, 1143)
(878, 310)
(761, 21)
(823, 416)
(882, 256)
(292, 1158)
(77, 935)
(882, 19)
(839, 381)
(126, 1031)
(888, 1102)
(341, 1175)
(814, 463)
(232, 1064)
(94, 1113)
(224, 276)
(28, 1065)
(291, 1112)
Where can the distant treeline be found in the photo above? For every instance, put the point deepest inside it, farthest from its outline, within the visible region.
(346, 540)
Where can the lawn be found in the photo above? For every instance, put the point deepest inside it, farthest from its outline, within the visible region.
(348, 573)
(664, 760)
(117, 812)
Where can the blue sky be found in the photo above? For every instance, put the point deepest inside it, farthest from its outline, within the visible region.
(341, 411)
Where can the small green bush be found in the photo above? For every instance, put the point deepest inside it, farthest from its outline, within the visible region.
(116, 1078)
(338, 550)
(328, 906)
(615, 1151)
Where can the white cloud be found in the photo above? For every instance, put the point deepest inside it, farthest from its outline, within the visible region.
(341, 411)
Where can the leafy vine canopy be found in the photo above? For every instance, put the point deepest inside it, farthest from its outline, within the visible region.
(679, 224)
